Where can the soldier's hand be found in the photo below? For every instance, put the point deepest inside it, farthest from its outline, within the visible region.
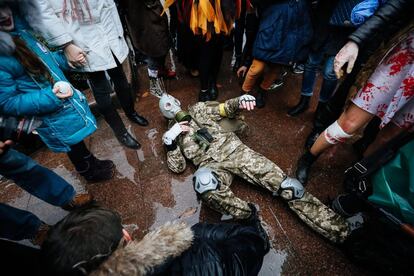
(175, 131)
(4, 146)
(247, 102)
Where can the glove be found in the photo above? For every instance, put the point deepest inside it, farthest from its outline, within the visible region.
(169, 137)
(62, 90)
(247, 102)
(348, 54)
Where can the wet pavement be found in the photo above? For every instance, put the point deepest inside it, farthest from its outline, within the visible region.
(147, 194)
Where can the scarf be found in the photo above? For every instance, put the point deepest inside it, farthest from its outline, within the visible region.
(78, 10)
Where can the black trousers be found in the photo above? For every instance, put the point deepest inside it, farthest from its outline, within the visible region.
(211, 54)
(156, 63)
(240, 26)
(102, 89)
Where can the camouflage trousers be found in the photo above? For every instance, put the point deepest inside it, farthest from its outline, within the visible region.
(258, 170)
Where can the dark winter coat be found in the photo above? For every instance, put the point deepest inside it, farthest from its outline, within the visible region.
(203, 250)
(284, 32)
(149, 30)
(327, 38)
(387, 20)
(219, 249)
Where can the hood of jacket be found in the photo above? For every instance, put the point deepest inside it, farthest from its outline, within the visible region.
(29, 11)
(140, 257)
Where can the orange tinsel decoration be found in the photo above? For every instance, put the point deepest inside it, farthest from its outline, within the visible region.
(206, 18)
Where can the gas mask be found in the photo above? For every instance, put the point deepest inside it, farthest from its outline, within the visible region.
(170, 107)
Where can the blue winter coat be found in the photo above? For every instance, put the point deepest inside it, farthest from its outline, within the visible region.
(285, 30)
(65, 122)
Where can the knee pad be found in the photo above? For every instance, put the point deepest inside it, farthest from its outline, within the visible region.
(334, 134)
(291, 189)
(205, 180)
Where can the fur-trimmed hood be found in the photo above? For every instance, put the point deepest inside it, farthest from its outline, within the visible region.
(139, 257)
(28, 10)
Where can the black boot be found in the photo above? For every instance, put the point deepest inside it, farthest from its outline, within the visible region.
(127, 140)
(300, 107)
(312, 137)
(97, 170)
(261, 98)
(303, 167)
(102, 164)
(213, 91)
(347, 205)
(254, 221)
(138, 119)
(204, 96)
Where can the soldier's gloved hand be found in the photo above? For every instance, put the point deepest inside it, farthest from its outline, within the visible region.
(348, 54)
(247, 102)
(173, 132)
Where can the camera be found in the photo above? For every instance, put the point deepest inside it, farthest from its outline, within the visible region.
(13, 128)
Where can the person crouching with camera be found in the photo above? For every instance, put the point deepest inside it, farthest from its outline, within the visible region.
(32, 83)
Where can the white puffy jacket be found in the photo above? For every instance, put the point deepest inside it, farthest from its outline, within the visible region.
(101, 40)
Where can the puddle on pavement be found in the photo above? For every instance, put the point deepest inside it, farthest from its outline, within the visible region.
(273, 263)
(140, 154)
(274, 260)
(71, 177)
(152, 136)
(115, 152)
(186, 208)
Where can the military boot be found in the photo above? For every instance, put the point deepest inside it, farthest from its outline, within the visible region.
(254, 220)
(347, 205)
(304, 165)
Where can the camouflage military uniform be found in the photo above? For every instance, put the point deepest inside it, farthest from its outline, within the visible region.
(228, 156)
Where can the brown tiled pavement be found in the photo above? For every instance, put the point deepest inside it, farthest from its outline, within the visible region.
(146, 194)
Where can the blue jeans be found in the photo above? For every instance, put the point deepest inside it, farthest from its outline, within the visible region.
(314, 62)
(39, 181)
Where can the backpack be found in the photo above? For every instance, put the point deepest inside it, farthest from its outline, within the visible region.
(385, 243)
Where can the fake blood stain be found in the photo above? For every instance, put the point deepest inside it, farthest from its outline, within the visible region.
(408, 87)
(400, 60)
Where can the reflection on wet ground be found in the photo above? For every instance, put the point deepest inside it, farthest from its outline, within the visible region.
(186, 207)
(273, 262)
(147, 194)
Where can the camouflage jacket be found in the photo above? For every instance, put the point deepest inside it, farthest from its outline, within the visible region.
(216, 117)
